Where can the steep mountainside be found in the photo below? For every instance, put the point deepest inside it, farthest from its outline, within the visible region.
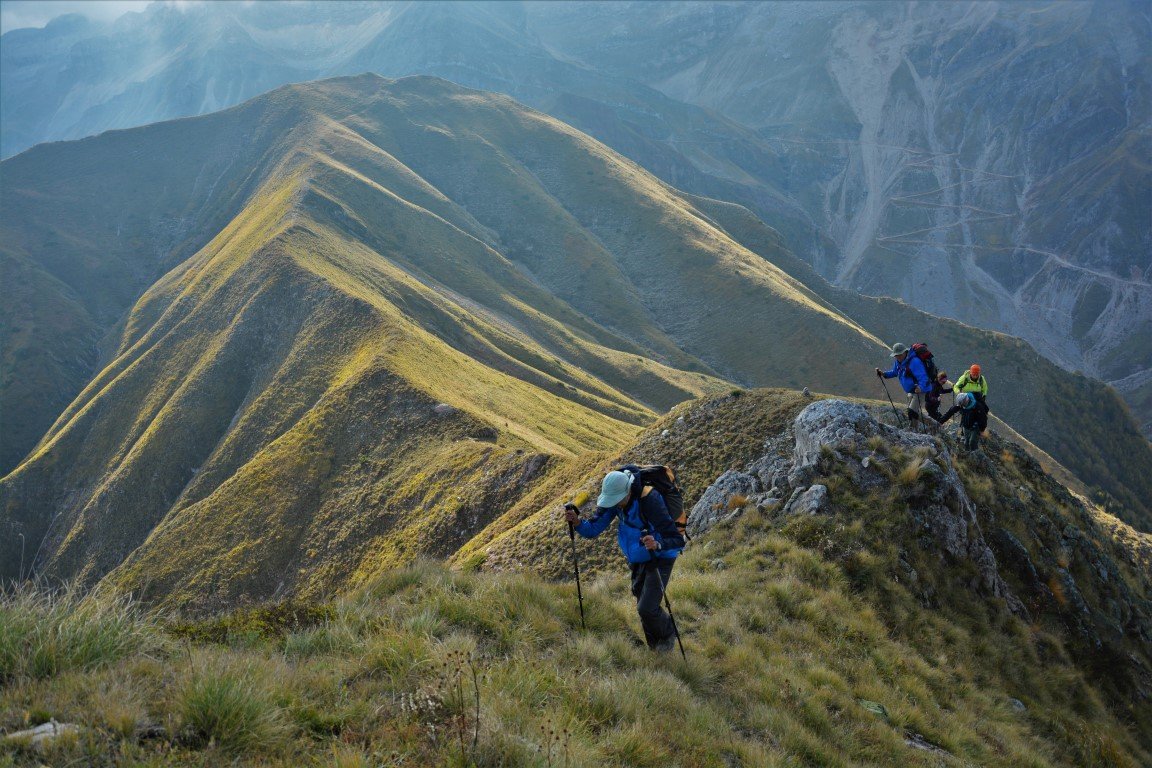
(854, 594)
(982, 161)
(414, 302)
(288, 372)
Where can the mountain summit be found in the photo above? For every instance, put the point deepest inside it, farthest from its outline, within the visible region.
(283, 347)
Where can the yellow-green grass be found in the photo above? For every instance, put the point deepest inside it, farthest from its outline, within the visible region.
(783, 651)
(793, 627)
(404, 244)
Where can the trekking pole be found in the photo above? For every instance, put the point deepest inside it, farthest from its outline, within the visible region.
(894, 411)
(667, 602)
(576, 564)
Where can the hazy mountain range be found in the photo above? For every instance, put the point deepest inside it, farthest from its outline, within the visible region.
(982, 161)
(352, 322)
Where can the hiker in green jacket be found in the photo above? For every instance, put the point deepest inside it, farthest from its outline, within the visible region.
(972, 380)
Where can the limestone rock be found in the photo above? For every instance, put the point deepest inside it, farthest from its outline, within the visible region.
(44, 734)
(813, 501)
(714, 505)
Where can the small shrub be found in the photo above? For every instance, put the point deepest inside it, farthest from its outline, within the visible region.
(737, 501)
(250, 625)
(231, 710)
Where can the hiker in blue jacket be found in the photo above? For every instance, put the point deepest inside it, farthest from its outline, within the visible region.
(913, 376)
(650, 541)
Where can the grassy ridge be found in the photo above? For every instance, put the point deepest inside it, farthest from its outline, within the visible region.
(796, 631)
(405, 244)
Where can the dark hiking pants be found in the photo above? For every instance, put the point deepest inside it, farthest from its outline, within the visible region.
(646, 588)
(932, 405)
(971, 438)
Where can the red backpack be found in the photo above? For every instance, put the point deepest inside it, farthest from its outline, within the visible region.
(921, 351)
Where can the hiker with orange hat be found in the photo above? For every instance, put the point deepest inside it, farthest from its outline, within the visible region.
(972, 380)
(970, 399)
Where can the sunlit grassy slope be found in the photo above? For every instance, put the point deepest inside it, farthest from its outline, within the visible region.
(365, 320)
(830, 640)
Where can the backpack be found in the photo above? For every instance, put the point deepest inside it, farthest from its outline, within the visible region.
(921, 351)
(663, 479)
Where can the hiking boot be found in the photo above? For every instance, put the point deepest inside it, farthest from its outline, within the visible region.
(667, 645)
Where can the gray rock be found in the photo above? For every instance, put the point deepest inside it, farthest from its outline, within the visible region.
(813, 501)
(836, 424)
(715, 506)
(43, 734)
(1017, 705)
(917, 741)
(443, 409)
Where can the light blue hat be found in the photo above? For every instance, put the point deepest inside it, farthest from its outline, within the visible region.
(965, 400)
(614, 488)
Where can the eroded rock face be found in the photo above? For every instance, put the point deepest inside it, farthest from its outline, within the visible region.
(838, 437)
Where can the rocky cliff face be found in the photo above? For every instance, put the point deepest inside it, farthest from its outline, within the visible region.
(993, 514)
(842, 434)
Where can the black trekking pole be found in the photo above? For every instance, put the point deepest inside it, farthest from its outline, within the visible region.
(576, 565)
(667, 602)
(894, 411)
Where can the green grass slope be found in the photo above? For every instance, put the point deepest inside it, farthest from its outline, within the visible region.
(838, 639)
(281, 425)
(89, 225)
(245, 437)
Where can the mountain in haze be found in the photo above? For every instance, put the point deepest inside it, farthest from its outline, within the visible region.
(984, 162)
(350, 323)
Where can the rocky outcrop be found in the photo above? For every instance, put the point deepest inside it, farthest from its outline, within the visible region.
(838, 438)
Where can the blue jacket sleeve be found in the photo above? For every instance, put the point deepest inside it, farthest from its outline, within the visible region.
(595, 526)
(920, 374)
(892, 372)
(656, 514)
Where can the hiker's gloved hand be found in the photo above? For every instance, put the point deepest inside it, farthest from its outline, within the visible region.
(879, 374)
(650, 543)
(571, 513)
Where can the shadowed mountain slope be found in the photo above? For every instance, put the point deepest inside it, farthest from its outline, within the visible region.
(387, 309)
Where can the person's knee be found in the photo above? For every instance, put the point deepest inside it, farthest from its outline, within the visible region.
(650, 611)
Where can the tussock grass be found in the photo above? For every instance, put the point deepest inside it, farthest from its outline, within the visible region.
(232, 708)
(45, 632)
(792, 625)
(426, 666)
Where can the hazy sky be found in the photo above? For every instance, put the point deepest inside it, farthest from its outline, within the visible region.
(15, 14)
